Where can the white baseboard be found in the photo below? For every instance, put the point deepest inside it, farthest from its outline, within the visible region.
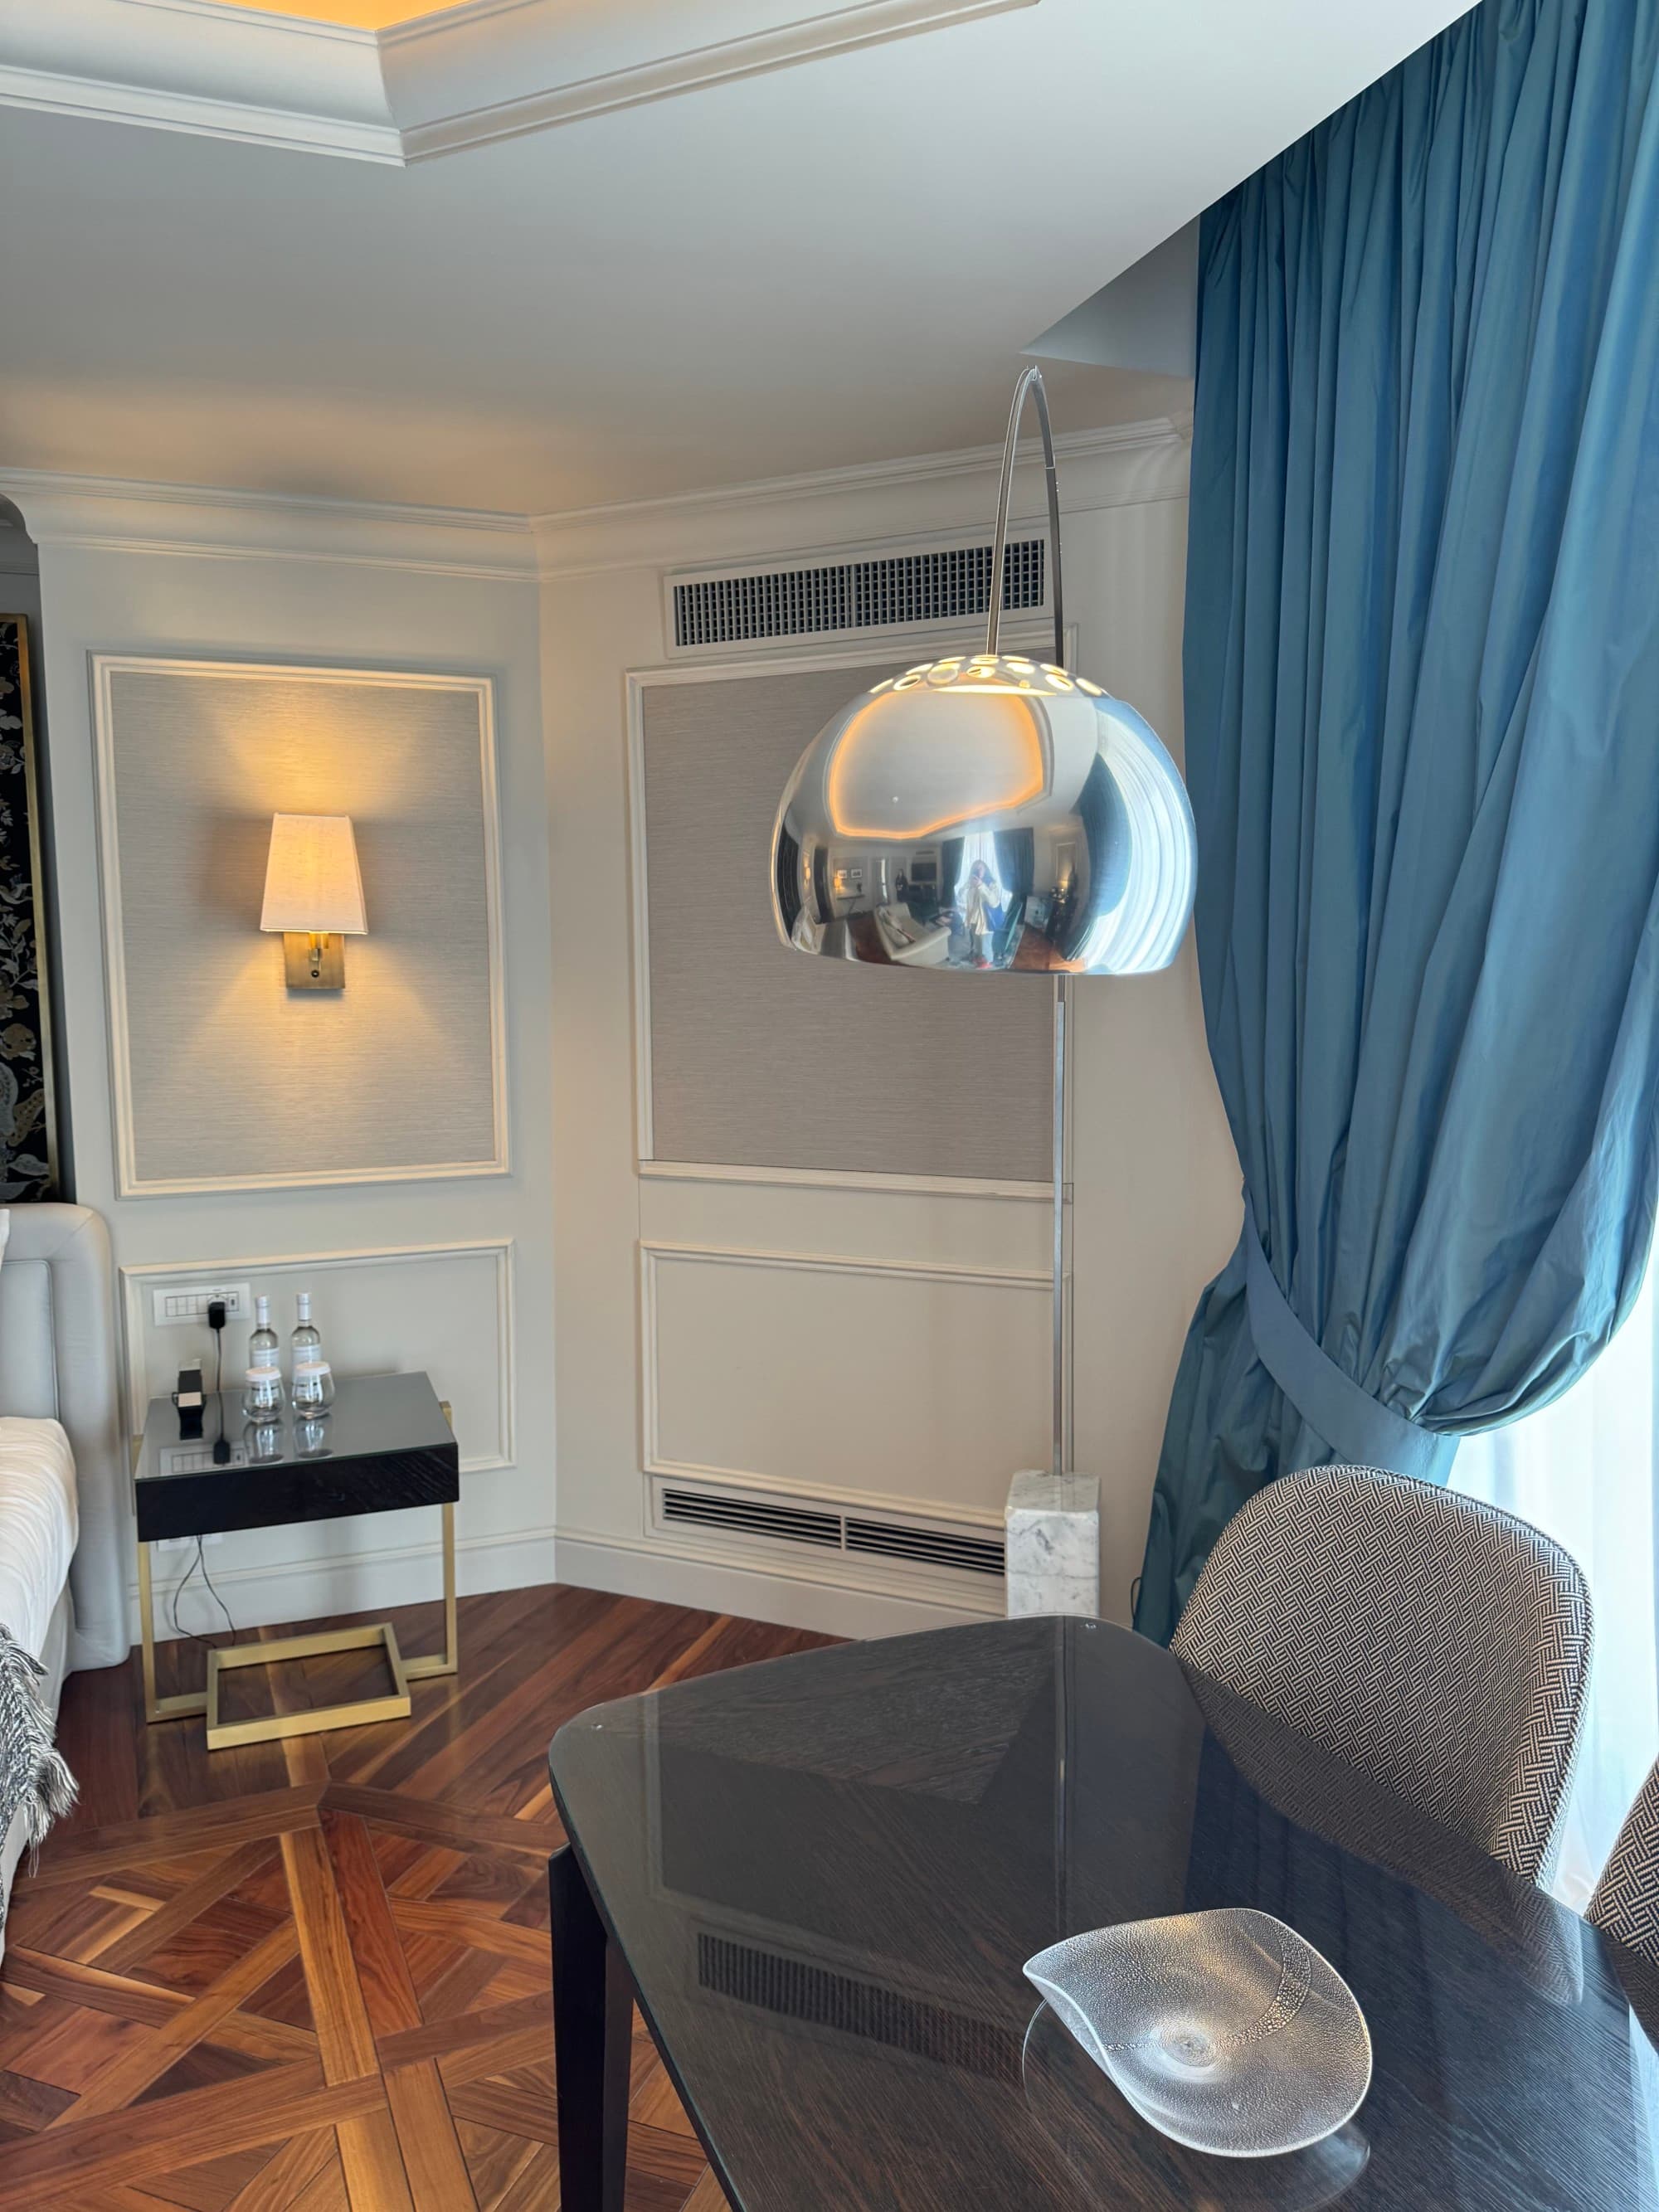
(368, 1581)
(353, 1582)
(633, 1568)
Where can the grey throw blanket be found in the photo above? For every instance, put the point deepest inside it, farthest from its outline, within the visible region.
(33, 1772)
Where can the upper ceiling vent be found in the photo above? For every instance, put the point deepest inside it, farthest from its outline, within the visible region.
(872, 591)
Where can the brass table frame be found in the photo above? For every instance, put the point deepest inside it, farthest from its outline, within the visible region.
(354, 1713)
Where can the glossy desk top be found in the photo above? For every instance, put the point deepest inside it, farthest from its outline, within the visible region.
(826, 1872)
(383, 1445)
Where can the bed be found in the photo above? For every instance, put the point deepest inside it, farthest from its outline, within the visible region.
(63, 1480)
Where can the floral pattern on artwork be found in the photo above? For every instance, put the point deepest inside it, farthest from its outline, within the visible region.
(26, 1170)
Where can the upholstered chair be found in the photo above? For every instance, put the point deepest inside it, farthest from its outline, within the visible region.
(1626, 1899)
(1433, 1642)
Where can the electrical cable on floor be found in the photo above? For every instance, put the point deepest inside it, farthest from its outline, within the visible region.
(200, 1560)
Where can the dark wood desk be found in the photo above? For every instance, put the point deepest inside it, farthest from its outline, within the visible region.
(385, 1444)
(822, 1877)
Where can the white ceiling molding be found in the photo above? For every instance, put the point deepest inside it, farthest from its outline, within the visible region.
(190, 65)
(115, 515)
(893, 502)
(1124, 464)
(463, 76)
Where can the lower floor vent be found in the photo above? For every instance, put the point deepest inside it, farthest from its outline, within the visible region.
(912, 1543)
(933, 1548)
(702, 1509)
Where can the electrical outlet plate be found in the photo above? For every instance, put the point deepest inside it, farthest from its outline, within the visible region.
(184, 1305)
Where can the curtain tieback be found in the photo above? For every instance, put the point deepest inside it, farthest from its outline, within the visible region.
(1359, 1430)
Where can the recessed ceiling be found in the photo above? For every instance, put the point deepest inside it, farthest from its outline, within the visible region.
(824, 264)
(357, 14)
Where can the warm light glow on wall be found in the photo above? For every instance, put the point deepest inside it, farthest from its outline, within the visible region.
(360, 15)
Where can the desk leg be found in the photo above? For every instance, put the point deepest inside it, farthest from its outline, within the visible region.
(159, 1709)
(592, 2026)
(147, 1628)
(420, 1670)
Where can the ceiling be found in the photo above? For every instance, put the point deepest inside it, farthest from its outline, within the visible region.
(360, 15)
(813, 266)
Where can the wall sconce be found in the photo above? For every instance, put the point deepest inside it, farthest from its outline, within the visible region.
(315, 896)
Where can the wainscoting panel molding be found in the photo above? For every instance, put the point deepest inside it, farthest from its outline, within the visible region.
(750, 1055)
(911, 1388)
(446, 1308)
(222, 1079)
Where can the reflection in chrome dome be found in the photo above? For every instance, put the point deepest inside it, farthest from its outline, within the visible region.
(986, 812)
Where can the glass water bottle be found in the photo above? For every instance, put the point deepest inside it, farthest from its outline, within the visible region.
(314, 1378)
(262, 1395)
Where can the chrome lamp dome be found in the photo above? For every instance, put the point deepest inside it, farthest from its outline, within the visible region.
(982, 813)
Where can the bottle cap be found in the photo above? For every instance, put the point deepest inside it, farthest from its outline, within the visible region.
(302, 1304)
(262, 1311)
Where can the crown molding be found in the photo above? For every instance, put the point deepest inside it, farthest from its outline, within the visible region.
(1118, 464)
(1122, 464)
(457, 77)
(117, 514)
(210, 12)
(471, 99)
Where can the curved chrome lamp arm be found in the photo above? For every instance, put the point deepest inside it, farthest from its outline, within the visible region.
(1031, 384)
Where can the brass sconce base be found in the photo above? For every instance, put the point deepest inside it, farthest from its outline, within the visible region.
(315, 960)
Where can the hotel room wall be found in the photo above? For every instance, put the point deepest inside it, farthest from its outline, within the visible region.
(452, 1274)
(720, 1325)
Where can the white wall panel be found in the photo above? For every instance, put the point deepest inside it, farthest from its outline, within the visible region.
(224, 1078)
(448, 1310)
(411, 1274)
(760, 1057)
(898, 1383)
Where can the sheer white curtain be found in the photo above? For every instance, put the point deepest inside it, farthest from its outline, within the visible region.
(1585, 1470)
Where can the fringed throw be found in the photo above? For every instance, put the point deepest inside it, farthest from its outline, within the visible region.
(33, 1772)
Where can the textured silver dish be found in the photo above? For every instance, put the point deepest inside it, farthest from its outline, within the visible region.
(1224, 2030)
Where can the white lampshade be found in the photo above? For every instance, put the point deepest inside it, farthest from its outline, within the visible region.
(311, 880)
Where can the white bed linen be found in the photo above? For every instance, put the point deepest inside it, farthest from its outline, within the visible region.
(38, 1524)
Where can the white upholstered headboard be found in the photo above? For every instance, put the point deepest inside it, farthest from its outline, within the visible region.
(57, 1361)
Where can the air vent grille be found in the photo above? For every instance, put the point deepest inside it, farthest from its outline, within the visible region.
(794, 1524)
(935, 1547)
(800, 1991)
(882, 592)
(918, 1542)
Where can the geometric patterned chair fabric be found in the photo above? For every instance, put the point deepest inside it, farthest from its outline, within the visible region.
(1432, 1642)
(1626, 1899)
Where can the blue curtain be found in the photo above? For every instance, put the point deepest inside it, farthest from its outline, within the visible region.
(1422, 681)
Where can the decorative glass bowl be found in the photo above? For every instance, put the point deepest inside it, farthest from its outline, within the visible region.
(1224, 2030)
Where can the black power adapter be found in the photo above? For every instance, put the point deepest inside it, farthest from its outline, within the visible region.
(216, 1321)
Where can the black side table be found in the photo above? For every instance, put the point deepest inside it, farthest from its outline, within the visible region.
(386, 1445)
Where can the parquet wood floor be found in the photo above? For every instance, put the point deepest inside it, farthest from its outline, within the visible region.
(313, 1976)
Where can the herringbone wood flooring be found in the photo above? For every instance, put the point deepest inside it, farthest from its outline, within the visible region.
(313, 1976)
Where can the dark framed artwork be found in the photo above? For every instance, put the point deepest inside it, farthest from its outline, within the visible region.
(28, 1162)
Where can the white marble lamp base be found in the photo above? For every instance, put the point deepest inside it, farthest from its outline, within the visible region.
(1053, 1524)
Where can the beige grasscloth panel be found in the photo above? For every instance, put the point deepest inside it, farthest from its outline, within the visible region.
(760, 1057)
(231, 1077)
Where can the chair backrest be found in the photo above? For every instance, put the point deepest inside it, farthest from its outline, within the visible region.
(1626, 1899)
(1431, 1641)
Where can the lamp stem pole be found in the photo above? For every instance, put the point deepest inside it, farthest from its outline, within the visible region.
(1031, 386)
(1062, 1009)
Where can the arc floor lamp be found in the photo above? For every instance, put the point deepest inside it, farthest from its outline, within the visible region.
(993, 814)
